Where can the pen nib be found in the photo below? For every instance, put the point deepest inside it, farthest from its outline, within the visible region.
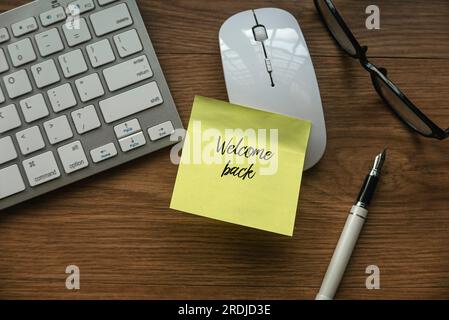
(378, 163)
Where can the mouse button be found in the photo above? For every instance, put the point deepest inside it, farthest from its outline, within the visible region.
(260, 33)
(234, 27)
(268, 65)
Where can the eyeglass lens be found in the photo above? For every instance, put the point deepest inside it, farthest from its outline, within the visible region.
(335, 28)
(401, 108)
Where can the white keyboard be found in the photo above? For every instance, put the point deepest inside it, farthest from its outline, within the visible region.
(81, 91)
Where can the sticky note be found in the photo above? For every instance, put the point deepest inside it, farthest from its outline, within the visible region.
(241, 165)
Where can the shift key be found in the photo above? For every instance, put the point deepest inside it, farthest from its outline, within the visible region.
(131, 102)
(128, 73)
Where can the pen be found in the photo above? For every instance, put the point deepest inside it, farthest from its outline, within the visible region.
(351, 231)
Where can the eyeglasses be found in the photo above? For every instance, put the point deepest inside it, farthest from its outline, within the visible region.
(407, 112)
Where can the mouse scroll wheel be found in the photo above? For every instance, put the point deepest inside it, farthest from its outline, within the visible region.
(260, 33)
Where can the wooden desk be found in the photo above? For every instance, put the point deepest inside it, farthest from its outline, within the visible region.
(117, 226)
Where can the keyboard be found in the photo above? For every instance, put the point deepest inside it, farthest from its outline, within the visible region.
(81, 91)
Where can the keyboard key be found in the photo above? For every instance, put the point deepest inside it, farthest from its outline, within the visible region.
(41, 169)
(23, 27)
(45, 73)
(128, 43)
(89, 87)
(132, 142)
(11, 181)
(34, 108)
(30, 140)
(58, 129)
(111, 19)
(3, 63)
(80, 6)
(21, 52)
(161, 131)
(100, 53)
(9, 118)
(103, 153)
(2, 96)
(135, 100)
(7, 150)
(52, 16)
(128, 73)
(17, 84)
(73, 157)
(105, 2)
(4, 35)
(76, 32)
(86, 119)
(72, 63)
(127, 128)
(62, 97)
(49, 42)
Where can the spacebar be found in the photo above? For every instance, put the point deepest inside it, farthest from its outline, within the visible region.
(131, 102)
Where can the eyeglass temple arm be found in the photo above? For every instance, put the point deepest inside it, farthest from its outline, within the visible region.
(446, 132)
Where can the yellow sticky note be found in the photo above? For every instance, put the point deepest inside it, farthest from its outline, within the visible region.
(241, 165)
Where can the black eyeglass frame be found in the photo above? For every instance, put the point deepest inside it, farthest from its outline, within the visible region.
(380, 73)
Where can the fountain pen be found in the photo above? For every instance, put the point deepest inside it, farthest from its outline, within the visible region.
(351, 232)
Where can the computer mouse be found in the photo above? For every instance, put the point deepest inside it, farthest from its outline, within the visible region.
(267, 66)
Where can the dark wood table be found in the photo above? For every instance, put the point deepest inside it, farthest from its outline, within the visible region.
(117, 226)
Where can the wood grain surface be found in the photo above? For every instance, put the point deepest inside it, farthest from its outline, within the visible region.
(117, 226)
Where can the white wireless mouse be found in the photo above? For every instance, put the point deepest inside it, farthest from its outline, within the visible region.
(267, 66)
